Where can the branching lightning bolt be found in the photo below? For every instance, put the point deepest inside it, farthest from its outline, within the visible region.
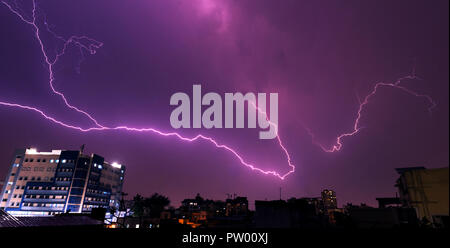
(356, 125)
(91, 48)
(90, 45)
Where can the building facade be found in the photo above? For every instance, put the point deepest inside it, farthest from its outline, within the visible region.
(48, 183)
(427, 191)
(329, 199)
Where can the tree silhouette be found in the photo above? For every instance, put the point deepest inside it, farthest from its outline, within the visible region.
(155, 204)
(149, 207)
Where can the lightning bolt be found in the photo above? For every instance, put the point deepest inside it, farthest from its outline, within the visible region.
(91, 47)
(362, 104)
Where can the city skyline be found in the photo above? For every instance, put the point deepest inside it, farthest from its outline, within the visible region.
(132, 83)
(60, 185)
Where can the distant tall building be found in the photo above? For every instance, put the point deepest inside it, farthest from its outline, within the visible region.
(47, 183)
(427, 191)
(329, 199)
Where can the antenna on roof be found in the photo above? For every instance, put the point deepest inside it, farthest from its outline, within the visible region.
(82, 148)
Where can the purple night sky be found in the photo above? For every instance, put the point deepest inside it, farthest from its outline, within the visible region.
(318, 55)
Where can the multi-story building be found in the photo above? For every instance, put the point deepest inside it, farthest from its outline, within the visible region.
(427, 191)
(48, 183)
(329, 199)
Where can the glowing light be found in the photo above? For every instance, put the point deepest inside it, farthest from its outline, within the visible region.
(31, 151)
(116, 165)
(34, 151)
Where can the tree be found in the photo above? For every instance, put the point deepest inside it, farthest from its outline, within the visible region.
(155, 204)
(149, 207)
(199, 199)
(138, 207)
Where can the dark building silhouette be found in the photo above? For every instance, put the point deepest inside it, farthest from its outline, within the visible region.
(196, 212)
(384, 202)
(294, 213)
(317, 202)
(329, 199)
(365, 217)
(237, 206)
(427, 191)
